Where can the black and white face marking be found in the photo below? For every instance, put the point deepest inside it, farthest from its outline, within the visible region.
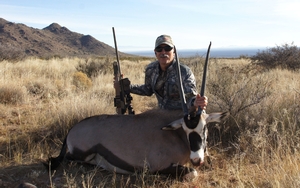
(196, 131)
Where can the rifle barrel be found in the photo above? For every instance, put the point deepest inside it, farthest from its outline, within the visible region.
(117, 53)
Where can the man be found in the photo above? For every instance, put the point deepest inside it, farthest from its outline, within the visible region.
(160, 79)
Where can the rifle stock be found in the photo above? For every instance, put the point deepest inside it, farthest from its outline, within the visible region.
(118, 103)
(122, 100)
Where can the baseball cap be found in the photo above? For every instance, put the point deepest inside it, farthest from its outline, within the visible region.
(164, 39)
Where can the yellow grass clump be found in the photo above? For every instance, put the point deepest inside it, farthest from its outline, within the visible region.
(81, 81)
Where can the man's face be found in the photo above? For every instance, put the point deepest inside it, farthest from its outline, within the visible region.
(165, 55)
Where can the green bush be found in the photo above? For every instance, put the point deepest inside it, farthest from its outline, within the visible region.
(285, 56)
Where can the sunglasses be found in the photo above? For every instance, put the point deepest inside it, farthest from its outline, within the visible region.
(166, 48)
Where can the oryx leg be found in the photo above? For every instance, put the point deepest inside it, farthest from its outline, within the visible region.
(179, 171)
(98, 160)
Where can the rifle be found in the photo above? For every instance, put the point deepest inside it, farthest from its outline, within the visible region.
(122, 101)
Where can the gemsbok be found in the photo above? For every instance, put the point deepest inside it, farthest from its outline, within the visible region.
(127, 143)
(160, 140)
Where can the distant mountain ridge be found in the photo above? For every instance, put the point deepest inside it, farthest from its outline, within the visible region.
(53, 40)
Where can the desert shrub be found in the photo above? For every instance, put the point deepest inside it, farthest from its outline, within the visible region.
(81, 81)
(285, 56)
(35, 88)
(11, 53)
(238, 93)
(93, 67)
(44, 89)
(264, 121)
(232, 90)
(11, 94)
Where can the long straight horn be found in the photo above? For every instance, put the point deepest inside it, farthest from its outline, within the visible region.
(179, 83)
(202, 91)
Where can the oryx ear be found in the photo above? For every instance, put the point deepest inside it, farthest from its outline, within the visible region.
(216, 117)
(174, 125)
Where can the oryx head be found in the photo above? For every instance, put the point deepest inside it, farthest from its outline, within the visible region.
(195, 128)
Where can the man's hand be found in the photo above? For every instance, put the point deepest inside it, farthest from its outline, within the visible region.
(201, 101)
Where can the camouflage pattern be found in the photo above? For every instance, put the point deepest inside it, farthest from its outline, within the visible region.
(164, 39)
(170, 98)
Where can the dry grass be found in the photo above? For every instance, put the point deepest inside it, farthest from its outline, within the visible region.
(258, 146)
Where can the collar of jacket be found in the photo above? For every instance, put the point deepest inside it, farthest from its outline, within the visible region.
(171, 67)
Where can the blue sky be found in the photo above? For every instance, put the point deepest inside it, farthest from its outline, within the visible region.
(191, 23)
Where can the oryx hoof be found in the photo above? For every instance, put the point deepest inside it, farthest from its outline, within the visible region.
(190, 176)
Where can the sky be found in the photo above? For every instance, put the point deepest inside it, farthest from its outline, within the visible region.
(192, 24)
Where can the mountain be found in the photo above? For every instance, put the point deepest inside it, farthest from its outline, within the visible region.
(50, 41)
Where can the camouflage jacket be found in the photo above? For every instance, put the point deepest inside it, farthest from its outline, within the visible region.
(169, 98)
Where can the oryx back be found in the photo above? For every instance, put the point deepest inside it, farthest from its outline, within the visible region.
(129, 142)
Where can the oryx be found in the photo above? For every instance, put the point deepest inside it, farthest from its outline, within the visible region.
(126, 143)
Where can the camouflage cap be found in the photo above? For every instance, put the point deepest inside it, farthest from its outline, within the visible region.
(164, 39)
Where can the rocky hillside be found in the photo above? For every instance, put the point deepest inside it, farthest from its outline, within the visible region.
(53, 40)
